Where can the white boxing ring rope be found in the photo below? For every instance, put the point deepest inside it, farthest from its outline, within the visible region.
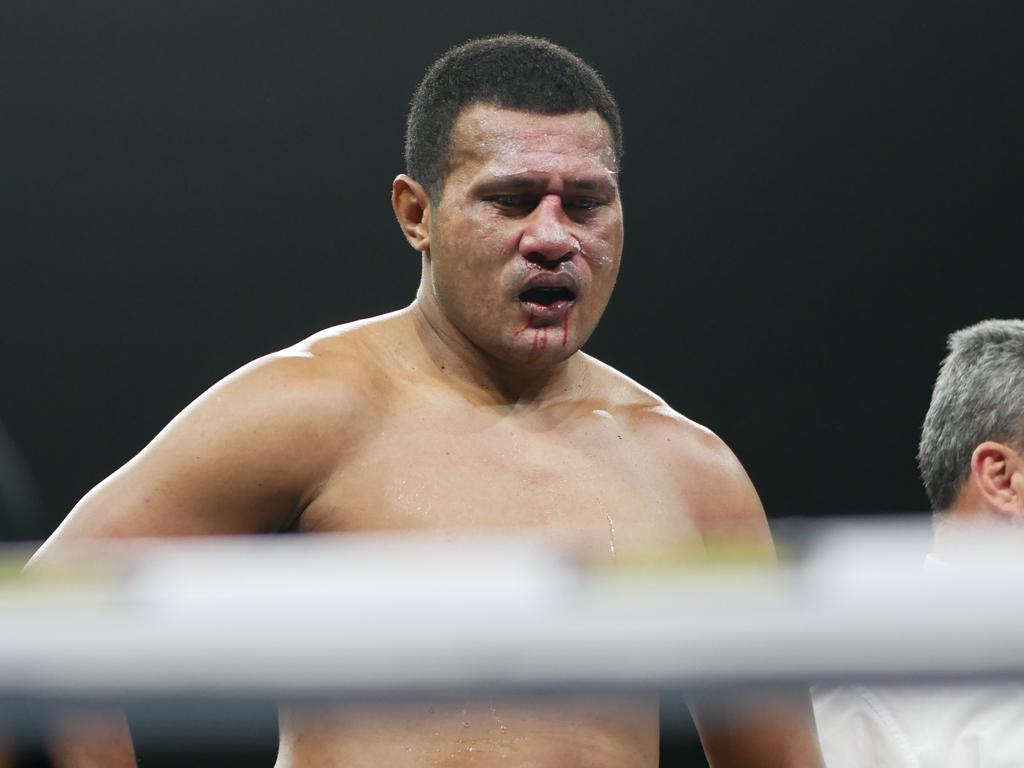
(349, 617)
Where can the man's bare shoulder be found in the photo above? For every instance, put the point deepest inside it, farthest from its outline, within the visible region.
(712, 483)
(323, 392)
(340, 370)
(651, 418)
(249, 453)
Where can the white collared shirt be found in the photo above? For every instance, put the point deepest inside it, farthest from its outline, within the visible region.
(921, 726)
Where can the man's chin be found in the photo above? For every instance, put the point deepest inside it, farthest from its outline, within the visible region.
(543, 345)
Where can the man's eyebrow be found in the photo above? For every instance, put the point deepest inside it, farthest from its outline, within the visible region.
(590, 184)
(517, 183)
(514, 183)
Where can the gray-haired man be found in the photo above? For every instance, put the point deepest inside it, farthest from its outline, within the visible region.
(971, 458)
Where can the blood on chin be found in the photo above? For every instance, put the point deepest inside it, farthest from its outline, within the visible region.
(546, 331)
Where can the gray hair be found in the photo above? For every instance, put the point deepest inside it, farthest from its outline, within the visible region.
(978, 396)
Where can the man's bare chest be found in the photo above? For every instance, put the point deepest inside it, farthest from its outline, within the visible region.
(585, 480)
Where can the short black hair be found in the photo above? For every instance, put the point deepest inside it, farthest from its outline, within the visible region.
(510, 71)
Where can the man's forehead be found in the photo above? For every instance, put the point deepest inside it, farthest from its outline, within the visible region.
(505, 139)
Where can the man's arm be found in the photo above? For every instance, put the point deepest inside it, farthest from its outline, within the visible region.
(245, 457)
(240, 459)
(91, 739)
(768, 729)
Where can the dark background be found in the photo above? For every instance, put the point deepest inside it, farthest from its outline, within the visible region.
(816, 194)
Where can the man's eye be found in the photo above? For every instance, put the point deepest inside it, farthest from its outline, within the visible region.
(512, 201)
(582, 204)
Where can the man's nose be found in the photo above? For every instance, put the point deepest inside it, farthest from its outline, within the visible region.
(547, 239)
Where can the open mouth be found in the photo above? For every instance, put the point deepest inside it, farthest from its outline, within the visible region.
(547, 296)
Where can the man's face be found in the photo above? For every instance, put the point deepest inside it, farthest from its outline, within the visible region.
(526, 239)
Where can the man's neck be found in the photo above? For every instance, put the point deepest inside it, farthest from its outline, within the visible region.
(962, 532)
(487, 380)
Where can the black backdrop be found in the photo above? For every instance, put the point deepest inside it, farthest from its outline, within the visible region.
(816, 194)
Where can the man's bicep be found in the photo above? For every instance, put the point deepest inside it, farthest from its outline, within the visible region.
(766, 729)
(234, 461)
(174, 487)
(763, 729)
(722, 498)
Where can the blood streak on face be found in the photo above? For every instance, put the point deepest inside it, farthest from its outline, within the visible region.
(538, 343)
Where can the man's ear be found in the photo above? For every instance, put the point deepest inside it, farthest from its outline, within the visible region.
(411, 204)
(997, 471)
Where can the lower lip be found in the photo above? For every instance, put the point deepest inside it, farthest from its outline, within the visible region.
(555, 311)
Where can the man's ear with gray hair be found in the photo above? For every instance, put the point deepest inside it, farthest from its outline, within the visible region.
(997, 473)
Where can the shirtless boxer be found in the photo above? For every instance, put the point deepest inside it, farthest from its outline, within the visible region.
(471, 408)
